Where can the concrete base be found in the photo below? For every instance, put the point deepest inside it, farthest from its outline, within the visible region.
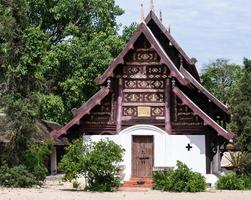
(211, 180)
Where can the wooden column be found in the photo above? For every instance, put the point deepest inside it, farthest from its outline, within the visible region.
(216, 161)
(168, 127)
(119, 105)
(53, 159)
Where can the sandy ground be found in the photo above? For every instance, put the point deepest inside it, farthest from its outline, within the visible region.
(56, 190)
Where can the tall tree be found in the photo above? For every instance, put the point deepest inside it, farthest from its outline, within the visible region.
(50, 53)
(23, 47)
(241, 109)
(220, 78)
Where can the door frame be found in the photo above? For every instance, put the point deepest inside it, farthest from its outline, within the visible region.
(153, 151)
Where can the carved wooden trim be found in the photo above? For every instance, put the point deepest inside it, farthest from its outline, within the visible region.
(144, 104)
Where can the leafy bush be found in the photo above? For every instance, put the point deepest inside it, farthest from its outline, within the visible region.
(181, 179)
(247, 182)
(97, 162)
(73, 162)
(17, 176)
(234, 182)
(34, 158)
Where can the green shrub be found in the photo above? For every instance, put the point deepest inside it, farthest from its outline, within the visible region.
(161, 180)
(97, 162)
(181, 179)
(34, 159)
(247, 182)
(16, 177)
(234, 182)
(73, 162)
(102, 166)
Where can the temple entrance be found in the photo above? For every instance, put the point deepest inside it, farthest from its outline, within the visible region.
(142, 156)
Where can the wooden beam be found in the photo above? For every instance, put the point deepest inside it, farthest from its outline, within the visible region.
(168, 127)
(119, 108)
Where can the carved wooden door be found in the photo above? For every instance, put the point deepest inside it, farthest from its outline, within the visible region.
(142, 156)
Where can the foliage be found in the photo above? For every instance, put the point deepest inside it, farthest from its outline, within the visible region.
(220, 78)
(181, 179)
(64, 18)
(238, 161)
(52, 108)
(73, 162)
(80, 61)
(234, 182)
(241, 109)
(128, 31)
(50, 53)
(102, 166)
(35, 157)
(97, 162)
(17, 176)
(21, 115)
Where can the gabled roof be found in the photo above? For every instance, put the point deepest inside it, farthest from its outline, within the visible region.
(152, 16)
(200, 87)
(207, 120)
(84, 110)
(143, 29)
(191, 62)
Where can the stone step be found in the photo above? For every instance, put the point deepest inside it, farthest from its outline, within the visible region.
(138, 183)
(134, 189)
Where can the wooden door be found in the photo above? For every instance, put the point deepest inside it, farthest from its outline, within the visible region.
(142, 156)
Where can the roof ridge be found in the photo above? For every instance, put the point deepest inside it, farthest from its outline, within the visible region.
(153, 16)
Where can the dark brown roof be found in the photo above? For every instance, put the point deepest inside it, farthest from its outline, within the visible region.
(217, 102)
(152, 16)
(190, 61)
(207, 120)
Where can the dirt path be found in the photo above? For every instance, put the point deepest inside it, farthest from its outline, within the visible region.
(55, 190)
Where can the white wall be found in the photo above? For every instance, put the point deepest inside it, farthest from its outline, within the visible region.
(167, 148)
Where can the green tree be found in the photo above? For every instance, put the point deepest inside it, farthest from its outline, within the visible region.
(74, 17)
(23, 47)
(50, 54)
(74, 65)
(128, 31)
(241, 109)
(98, 162)
(220, 78)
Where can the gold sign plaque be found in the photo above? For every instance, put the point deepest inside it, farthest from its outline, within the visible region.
(144, 111)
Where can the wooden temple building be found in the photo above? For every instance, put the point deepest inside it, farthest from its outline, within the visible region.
(151, 101)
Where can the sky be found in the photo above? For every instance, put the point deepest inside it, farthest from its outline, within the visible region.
(205, 29)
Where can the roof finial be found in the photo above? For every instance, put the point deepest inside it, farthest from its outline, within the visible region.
(152, 5)
(142, 13)
(169, 28)
(160, 16)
